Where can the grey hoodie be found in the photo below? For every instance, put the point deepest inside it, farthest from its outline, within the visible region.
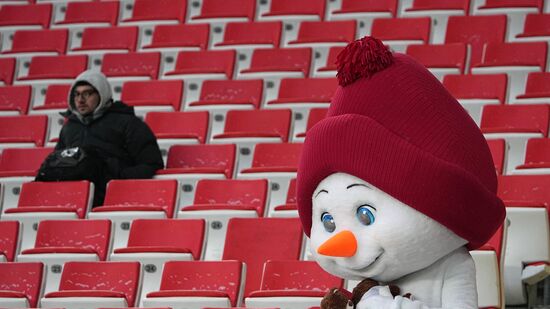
(100, 83)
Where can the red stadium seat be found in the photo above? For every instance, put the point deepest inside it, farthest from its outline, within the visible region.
(158, 11)
(229, 94)
(275, 158)
(131, 65)
(15, 100)
(90, 12)
(315, 115)
(326, 32)
(247, 34)
(304, 93)
(157, 95)
(400, 32)
(9, 234)
(35, 15)
(536, 27)
(329, 65)
(258, 124)
(526, 262)
(288, 9)
(289, 208)
(537, 157)
(222, 288)
(23, 130)
(528, 54)
(203, 64)
(291, 62)
(180, 36)
(7, 68)
(20, 284)
(292, 283)
(22, 161)
(108, 39)
(434, 5)
(217, 201)
(56, 98)
(96, 284)
(258, 235)
(498, 152)
(496, 4)
(178, 127)
(440, 59)
(351, 8)
(227, 10)
(55, 67)
(537, 88)
(475, 91)
(201, 160)
(39, 42)
(476, 31)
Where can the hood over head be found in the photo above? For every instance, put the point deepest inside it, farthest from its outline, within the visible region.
(99, 82)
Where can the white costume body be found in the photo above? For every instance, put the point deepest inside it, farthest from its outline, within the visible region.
(401, 246)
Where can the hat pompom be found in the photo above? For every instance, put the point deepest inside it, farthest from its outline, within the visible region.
(362, 58)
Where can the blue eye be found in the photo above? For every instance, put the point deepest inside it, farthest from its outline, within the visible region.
(365, 215)
(328, 222)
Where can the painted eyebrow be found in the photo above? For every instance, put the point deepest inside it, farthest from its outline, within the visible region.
(320, 192)
(357, 185)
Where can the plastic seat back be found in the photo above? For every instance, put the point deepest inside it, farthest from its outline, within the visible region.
(15, 98)
(174, 125)
(9, 236)
(202, 159)
(22, 280)
(23, 129)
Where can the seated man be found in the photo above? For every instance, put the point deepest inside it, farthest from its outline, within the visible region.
(124, 143)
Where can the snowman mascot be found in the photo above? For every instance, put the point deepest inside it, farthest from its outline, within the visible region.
(397, 183)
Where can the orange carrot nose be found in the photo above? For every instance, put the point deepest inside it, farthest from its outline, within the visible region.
(342, 244)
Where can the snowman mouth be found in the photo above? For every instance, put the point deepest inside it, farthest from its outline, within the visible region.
(371, 264)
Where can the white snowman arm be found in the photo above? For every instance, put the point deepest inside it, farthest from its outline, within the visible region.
(458, 292)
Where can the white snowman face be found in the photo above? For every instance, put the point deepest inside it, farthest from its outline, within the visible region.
(359, 231)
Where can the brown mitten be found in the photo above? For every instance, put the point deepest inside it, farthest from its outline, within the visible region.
(336, 298)
(366, 285)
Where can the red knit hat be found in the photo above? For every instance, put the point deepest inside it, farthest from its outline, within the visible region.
(394, 125)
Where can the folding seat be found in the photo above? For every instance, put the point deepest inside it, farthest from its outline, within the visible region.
(475, 91)
(537, 157)
(89, 13)
(217, 201)
(54, 99)
(52, 69)
(289, 208)
(292, 284)
(172, 128)
(514, 59)
(153, 242)
(498, 152)
(105, 39)
(526, 262)
(302, 94)
(246, 128)
(258, 235)
(289, 10)
(155, 95)
(439, 12)
(246, 36)
(219, 96)
(189, 163)
(489, 264)
(274, 64)
(185, 285)
(95, 285)
(537, 89)
(322, 33)
(326, 66)
(128, 199)
(178, 37)
(61, 241)
(516, 124)
(15, 100)
(201, 65)
(7, 69)
(35, 16)
(155, 11)
(441, 59)
(130, 66)
(516, 10)
(225, 11)
(38, 42)
(23, 131)
(9, 233)
(315, 115)
(21, 284)
(398, 33)
(475, 31)
(535, 28)
(48, 201)
(276, 162)
(364, 11)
